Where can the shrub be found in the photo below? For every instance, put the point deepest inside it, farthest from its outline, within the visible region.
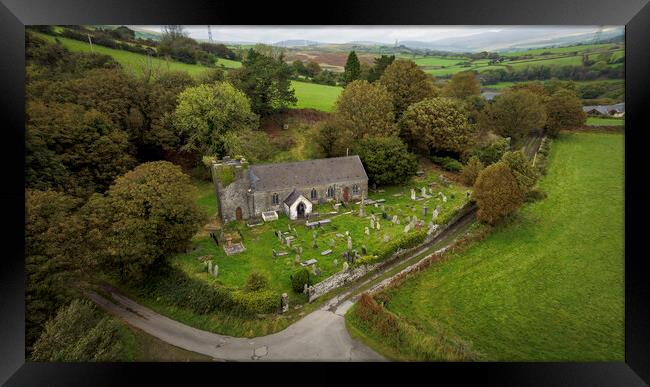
(497, 193)
(256, 282)
(471, 170)
(299, 279)
(404, 241)
(258, 302)
(492, 152)
(448, 163)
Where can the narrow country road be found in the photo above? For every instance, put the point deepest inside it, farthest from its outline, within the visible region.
(319, 336)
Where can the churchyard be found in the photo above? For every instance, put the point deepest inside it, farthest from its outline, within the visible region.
(270, 255)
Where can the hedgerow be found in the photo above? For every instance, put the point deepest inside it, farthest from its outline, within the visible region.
(173, 287)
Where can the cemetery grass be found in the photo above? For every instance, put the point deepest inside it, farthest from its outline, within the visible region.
(546, 286)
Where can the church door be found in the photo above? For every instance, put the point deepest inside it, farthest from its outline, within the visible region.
(238, 213)
(346, 194)
(301, 210)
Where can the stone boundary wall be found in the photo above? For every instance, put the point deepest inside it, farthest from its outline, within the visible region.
(344, 277)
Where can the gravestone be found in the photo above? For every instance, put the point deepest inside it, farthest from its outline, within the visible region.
(285, 302)
(317, 270)
(346, 266)
(336, 262)
(424, 211)
(366, 230)
(326, 252)
(215, 270)
(386, 238)
(423, 191)
(413, 194)
(372, 222)
(210, 267)
(394, 220)
(349, 243)
(407, 228)
(377, 225)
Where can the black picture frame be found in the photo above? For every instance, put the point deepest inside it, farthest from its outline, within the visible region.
(15, 14)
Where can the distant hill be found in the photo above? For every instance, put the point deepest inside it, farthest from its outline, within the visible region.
(297, 43)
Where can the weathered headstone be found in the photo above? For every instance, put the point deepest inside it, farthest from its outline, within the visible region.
(317, 270)
(215, 270)
(346, 266)
(366, 230)
(423, 191)
(336, 262)
(407, 228)
(412, 194)
(394, 220)
(372, 222)
(424, 211)
(386, 238)
(285, 302)
(378, 225)
(210, 267)
(349, 243)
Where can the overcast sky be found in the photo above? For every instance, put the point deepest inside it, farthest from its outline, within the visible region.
(344, 34)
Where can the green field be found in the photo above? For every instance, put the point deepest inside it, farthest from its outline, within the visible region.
(503, 85)
(605, 121)
(548, 286)
(437, 61)
(562, 50)
(315, 96)
(135, 61)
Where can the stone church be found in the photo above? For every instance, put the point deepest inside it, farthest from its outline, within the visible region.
(245, 191)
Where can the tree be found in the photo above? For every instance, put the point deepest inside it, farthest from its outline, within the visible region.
(266, 81)
(299, 67)
(522, 170)
(81, 150)
(564, 112)
(331, 139)
(79, 333)
(312, 68)
(407, 83)
(496, 193)
(514, 114)
(207, 112)
(379, 67)
(437, 124)
(148, 213)
(462, 85)
(471, 170)
(386, 160)
(491, 152)
(352, 68)
(54, 255)
(365, 110)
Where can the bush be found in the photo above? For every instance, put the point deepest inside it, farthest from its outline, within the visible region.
(492, 152)
(258, 302)
(448, 163)
(497, 193)
(299, 279)
(471, 170)
(256, 282)
(535, 195)
(404, 241)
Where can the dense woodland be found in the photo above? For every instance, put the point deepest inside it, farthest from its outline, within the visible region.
(109, 154)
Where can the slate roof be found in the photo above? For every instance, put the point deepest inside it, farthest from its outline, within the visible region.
(293, 196)
(307, 173)
(605, 109)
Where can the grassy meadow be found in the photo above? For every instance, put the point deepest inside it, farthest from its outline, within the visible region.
(605, 121)
(315, 96)
(135, 61)
(547, 286)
